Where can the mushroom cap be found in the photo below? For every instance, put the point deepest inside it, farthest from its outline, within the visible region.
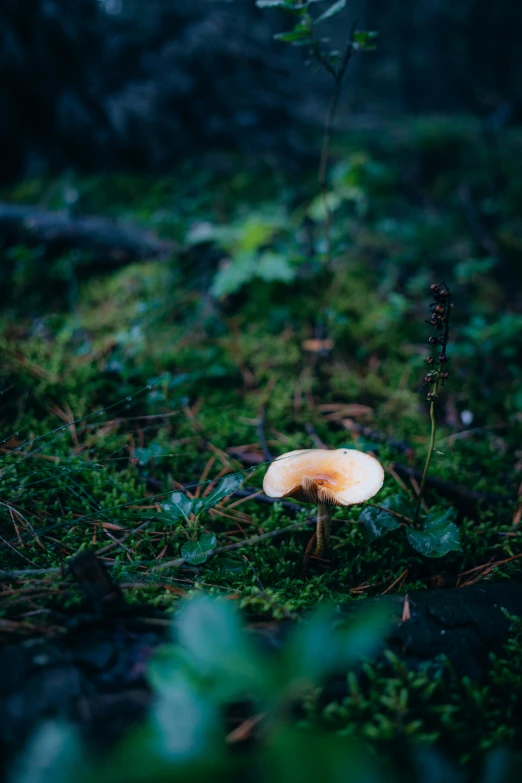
(339, 477)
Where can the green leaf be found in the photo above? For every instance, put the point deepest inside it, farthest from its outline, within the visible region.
(226, 487)
(317, 208)
(220, 650)
(196, 552)
(182, 720)
(54, 754)
(178, 506)
(285, 5)
(300, 35)
(439, 535)
(274, 267)
(248, 266)
(233, 275)
(365, 40)
(326, 644)
(378, 522)
(255, 232)
(334, 9)
(296, 39)
(145, 455)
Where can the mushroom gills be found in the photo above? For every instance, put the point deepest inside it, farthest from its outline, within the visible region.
(311, 490)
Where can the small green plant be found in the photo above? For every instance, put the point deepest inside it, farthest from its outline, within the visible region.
(436, 534)
(440, 314)
(252, 245)
(335, 62)
(181, 507)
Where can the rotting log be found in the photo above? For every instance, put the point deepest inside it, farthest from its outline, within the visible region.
(112, 241)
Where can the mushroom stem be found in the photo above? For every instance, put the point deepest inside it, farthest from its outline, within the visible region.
(322, 535)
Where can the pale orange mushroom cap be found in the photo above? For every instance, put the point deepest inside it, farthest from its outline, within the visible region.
(340, 477)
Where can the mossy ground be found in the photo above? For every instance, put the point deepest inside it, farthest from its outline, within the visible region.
(166, 383)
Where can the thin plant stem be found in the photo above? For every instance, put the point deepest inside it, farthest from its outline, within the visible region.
(338, 76)
(428, 461)
(406, 521)
(440, 311)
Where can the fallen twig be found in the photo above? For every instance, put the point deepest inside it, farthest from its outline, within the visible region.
(460, 496)
(240, 544)
(108, 240)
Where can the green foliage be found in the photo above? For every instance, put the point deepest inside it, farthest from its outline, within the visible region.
(268, 266)
(438, 535)
(302, 33)
(333, 10)
(365, 40)
(214, 663)
(252, 248)
(212, 364)
(196, 552)
(180, 505)
(377, 521)
(432, 709)
(316, 649)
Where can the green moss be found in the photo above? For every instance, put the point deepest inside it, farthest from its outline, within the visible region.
(165, 383)
(391, 705)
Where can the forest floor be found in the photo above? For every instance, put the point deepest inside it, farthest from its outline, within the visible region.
(123, 383)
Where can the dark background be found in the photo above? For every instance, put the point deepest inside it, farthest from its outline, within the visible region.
(137, 84)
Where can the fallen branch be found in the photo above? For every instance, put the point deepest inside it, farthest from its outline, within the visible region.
(239, 544)
(288, 505)
(112, 241)
(460, 496)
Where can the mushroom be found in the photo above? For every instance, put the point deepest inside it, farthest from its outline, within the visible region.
(340, 477)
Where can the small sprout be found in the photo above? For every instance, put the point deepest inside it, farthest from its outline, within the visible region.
(341, 477)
